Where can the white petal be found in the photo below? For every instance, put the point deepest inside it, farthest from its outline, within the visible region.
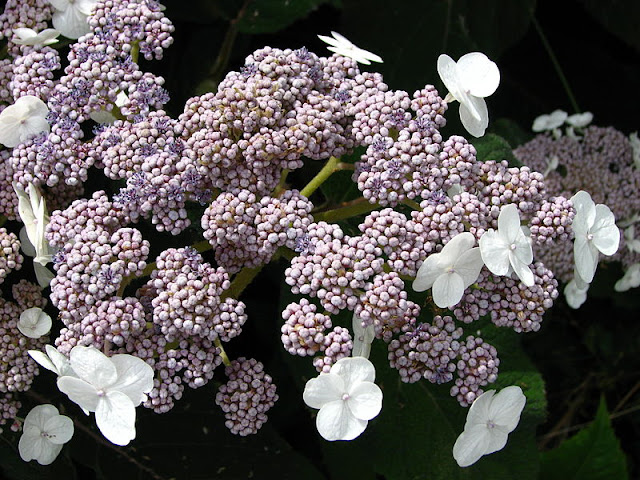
(336, 422)
(43, 274)
(448, 290)
(585, 256)
(468, 266)
(631, 279)
(497, 439)
(80, 392)
(506, 407)
(331, 41)
(354, 370)
(43, 360)
(509, 223)
(585, 213)
(495, 253)
(474, 115)
(25, 243)
(34, 323)
(59, 428)
(39, 415)
(85, 6)
(9, 132)
(365, 401)
(448, 71)
(606, 235)
(60, 361)
(362, 338)
(456, 246)
(471, 445)
(33, 126)
(93, 366)
(574, 295)
(71, 23)
(479, 410)
(323, 389)
(522, 269)
(60, 4)
(580, 120)
(428, 272)
(135, 377)
(116, 418)
(478, 75)
(39, 449)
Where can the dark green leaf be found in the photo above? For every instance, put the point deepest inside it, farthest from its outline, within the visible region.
(593, 454)
(620, 18)
(263, 16)
(493, 147)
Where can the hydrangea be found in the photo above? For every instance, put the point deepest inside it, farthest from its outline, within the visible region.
(23, 120)
(342, 46)
(34, 323)
(490, 420)
(469, 80)
(451, 271)
(347, 398)
(508, 249)
(44, 432)
(111, 387)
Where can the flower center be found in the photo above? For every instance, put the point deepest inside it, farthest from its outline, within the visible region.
(589, 236)
(490, 424)
(345, 397)
(512, 246)
(101, 393)
(47, 435)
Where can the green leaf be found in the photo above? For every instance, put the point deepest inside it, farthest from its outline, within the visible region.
(619, 18)
(494, 147)
(593, 454)
(264, 16)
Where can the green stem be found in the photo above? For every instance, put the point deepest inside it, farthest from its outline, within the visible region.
(223, 354)
(282, 184)
(135, 51)
(242, 279)
(330, 167)
(346, 210)
(556, 65)
(413, 204)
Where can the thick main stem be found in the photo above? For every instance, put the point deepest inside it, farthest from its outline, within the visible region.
(329, 168)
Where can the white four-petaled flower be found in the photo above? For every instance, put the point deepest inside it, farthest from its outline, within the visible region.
(469, 80)
(34, 323)
(595, 231)
(110, 386)
(43, 433)
(70, 16)
(508, 249)
(347, 398)
(551, 121)
(451, 271)
(342, 46)
(22, 120)
(490, 420)
(27, 36)
(630, 279)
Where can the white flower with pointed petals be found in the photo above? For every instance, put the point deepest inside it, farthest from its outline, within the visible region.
(631, 279)
(34, 323)
(53, 360)
(469, 80)
(451, 271)
(362, 338)
(508, 249)
(111, 387)
(27, 36)
(32, 209)
(22, 120)
(490, 420)
(70, 16)
(347, 398)
(549, 122)
(576, 293)
(595, 231)
(342, 46)
(580, 120)
(44, 432)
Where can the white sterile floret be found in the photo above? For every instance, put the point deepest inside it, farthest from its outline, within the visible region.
(53, 360)
(633, 243)
(549, 122)
(347, 398)
(552, 164)
(508, 249)
(342, 46)
(362, 338)
(32, 209)
(580, 120)
(44, 432)
(576, 293)
(27, 36)
(451, 271)
(595, 231)
(70, 16)
(23, 120)
(469, 80)
(635, 147)
(490, 420)
(111, 387)
(631, 279)
(34, 323)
